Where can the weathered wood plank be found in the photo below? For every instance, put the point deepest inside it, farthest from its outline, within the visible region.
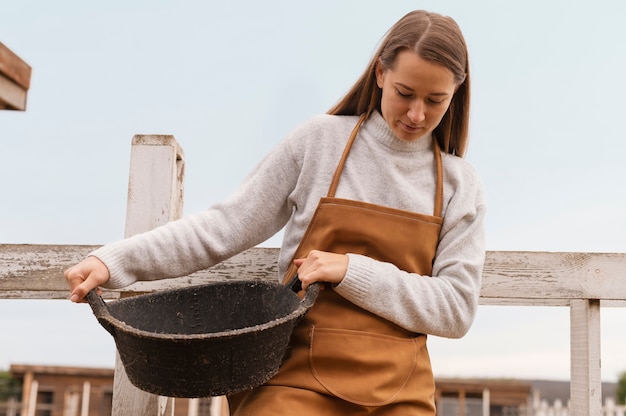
(510, 278)
(14, 67)
(14, 80)
(12, 96)
(155, 197)
(37, 268)
(555, 276)
(155, 191)
(586, 377)
(33, 271)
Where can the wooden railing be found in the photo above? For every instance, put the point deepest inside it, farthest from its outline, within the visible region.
(581, 281)
(14, 80)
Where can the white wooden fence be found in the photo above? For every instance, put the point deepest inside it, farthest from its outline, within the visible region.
(557, 408)
(543, 408)
(581, 281)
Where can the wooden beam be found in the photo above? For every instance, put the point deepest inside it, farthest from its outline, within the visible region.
(586, 380)
(155, 197)
(509, 278)
(35, 271)
(12, 96)
(14, 80)
(552, 279)
(155, 191)
(14, 68)
(19, 370)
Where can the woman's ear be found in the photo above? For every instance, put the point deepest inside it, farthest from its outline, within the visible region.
(380, 74)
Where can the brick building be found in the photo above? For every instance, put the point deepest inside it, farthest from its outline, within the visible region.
(78, 391)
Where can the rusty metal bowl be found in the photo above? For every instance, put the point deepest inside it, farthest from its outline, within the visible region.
(208, 340)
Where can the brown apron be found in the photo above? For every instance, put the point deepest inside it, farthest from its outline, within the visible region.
(344, 360)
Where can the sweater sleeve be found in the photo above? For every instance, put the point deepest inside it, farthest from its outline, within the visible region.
(445, 303)
(253, 213)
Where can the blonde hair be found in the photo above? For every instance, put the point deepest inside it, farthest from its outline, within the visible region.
(437, 39)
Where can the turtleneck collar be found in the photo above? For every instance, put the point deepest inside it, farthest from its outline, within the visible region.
(377, 127)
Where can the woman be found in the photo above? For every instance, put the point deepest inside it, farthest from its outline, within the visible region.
(378, 206)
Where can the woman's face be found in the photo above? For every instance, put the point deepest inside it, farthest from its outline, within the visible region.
(415, 95)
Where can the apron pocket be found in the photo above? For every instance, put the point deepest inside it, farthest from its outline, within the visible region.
(363, 368)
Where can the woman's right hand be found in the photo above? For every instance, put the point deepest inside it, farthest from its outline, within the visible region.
(86, 275)
(321, 266)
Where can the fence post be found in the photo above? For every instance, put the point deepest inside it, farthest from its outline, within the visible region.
(13, 407)
(155, 196)
(586, 383)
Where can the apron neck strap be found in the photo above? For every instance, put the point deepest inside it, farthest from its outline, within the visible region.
(439, 191)
(344, 156)
(439, 165)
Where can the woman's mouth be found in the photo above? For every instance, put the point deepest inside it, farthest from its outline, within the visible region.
(409, 128)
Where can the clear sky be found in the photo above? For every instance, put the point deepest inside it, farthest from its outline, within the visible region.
(230, 79)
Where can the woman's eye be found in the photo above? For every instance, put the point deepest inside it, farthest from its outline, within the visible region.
(432, 101)
(405, 95)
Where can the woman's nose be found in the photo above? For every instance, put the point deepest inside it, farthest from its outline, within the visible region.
(416, 112)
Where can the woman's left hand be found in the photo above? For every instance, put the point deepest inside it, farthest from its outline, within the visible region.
(321, 266)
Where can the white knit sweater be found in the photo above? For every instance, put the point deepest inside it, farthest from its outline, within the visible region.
(284, 190)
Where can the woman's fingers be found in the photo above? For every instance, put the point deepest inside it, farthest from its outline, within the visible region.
(322, 266)
(85, 276)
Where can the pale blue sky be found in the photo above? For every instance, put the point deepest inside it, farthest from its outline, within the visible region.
(230, 79)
